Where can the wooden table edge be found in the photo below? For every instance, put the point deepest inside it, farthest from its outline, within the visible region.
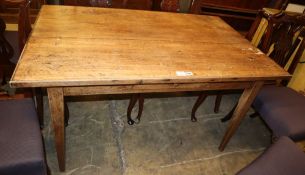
(62, 83)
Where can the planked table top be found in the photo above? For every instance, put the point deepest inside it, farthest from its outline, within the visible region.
(84, 46)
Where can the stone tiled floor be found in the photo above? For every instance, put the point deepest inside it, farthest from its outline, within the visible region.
(99, 140)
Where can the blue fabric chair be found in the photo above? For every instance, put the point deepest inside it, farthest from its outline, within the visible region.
(21, 147)
(282, 158)
(283, 109)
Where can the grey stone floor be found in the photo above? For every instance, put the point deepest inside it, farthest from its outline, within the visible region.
(99, 140)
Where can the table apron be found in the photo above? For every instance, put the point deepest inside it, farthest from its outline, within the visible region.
(150, 88)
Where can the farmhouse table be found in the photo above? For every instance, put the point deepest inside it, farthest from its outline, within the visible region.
(86, 51)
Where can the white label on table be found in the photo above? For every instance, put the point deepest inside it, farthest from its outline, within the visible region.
(184, 73)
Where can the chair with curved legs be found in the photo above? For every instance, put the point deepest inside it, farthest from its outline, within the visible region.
(168, 6)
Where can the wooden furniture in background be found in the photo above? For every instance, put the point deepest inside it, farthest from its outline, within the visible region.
(130, 4)
(24, 29)
(10, 12)
(158, 5)
(102, 53)
(238, 13)
(283, 37)
(6, 53)
(170, 5)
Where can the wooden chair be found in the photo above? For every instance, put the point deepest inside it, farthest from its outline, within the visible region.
(130, 4)
(269, 33)
(169, 6)
(283, 41)
(24, 28)
(7, 52)
(280, 107)
(226, 10)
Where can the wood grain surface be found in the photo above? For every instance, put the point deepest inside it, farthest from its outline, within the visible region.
(84, 46)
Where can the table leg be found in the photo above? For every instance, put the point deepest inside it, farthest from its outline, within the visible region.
(242, 108)
(56, 104)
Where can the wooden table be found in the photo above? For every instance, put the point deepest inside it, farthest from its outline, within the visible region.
(85, 51)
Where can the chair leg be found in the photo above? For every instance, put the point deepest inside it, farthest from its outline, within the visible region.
(133, 100)
(3, 82)
(39, 105)
(229, 115)
(141, 105)
(198, 102)
(66, 113)
(217, 102)
(255, 114)
(274, 138)
(6, 73)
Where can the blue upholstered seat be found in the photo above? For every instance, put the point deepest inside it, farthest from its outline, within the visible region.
(21, 147)
(283, 109)
(282, 158)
